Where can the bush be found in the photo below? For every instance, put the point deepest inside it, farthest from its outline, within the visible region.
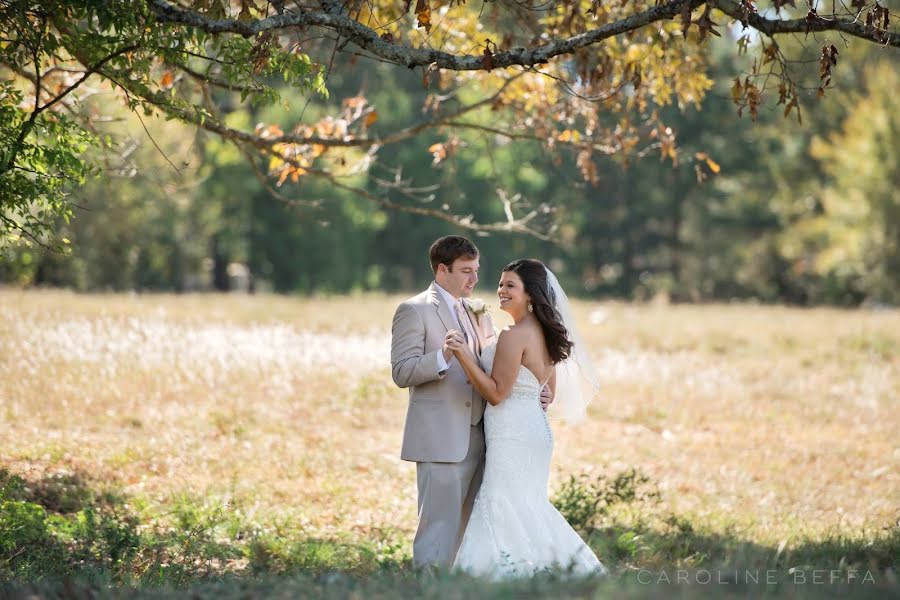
(583, 500)
(36, 541)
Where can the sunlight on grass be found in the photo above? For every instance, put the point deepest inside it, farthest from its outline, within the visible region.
(761, 427)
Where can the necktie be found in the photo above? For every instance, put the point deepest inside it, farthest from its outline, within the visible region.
(466, 326)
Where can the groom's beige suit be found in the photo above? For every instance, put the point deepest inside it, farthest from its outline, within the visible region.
(444, 434)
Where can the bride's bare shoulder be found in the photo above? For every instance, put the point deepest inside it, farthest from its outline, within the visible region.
(512, 334)
(521, 333)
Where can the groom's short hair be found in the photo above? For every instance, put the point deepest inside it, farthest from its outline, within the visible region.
(445, 250)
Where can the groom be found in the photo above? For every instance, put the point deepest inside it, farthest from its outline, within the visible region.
(444, 434)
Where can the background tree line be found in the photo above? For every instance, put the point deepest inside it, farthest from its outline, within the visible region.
(772, 210)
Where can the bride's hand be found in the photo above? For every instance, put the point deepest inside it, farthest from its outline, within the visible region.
(455, 342)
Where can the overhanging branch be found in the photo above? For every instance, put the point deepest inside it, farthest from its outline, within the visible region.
(772, 27)
(369, 40)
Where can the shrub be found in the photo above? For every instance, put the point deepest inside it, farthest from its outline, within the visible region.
(583, 500)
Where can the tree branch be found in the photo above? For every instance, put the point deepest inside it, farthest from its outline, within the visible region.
(512, 225)
(225, 85)
(90, 71)
(772, 27)
(591, 145)
(216, 126)
(368, 39)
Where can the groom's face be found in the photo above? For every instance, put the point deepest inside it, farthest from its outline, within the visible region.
(460, 278)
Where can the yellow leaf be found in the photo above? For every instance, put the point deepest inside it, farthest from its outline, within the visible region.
(736, 91)
(569, 135)
(245, 15)
(713, 165)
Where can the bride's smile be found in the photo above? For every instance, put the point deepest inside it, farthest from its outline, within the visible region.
(511, 293)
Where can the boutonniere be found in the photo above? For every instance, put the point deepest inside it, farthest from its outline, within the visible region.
(478, 308)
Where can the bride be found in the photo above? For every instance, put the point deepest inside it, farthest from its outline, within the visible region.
(514, 530)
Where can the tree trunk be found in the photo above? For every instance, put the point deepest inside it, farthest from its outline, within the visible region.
(220, 265)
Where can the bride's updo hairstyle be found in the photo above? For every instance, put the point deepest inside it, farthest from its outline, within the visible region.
(534, 277)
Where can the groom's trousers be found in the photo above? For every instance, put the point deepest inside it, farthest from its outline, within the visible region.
(446, 494)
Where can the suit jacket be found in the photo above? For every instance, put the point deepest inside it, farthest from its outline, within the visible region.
(442, 406)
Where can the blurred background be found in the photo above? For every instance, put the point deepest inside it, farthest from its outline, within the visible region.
(773, 210)
(173, 438)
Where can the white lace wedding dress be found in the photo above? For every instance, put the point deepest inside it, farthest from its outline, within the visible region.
(514, 530)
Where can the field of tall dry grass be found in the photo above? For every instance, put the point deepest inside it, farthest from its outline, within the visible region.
(771, 428)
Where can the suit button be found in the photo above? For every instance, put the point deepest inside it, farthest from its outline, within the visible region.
(468, 404)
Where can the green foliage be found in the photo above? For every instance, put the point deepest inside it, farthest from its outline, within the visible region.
(856, 241)
(40, 161)
(45, 132)
(766, 210)
(59, 535)
(37, 541)
(584, 500)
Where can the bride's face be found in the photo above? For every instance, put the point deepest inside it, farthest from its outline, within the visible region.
(511, 292)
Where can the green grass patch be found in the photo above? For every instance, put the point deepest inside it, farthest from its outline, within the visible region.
(65, 536)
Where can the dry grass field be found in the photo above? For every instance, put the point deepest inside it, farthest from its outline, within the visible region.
(767, 431)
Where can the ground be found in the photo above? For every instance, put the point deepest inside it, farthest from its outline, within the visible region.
(260, 435)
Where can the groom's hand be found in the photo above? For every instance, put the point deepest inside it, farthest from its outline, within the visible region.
(450, 344)
(546, 397)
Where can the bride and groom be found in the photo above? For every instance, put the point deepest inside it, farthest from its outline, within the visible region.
(476, 425)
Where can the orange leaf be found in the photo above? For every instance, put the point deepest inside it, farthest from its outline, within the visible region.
(423, 13)
(355, 102)
(371, 118)
(167, 80)
(438, 151)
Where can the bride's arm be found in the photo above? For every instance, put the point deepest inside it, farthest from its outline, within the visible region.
(507, 362)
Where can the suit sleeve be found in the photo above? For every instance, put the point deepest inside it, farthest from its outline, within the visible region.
(410, 365)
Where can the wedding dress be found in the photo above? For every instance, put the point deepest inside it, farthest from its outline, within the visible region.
(514, 530)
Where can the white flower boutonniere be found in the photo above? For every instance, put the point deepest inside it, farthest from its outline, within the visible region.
(478, 308)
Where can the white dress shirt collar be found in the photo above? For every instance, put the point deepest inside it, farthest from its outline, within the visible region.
(449, 298)
(451, 302)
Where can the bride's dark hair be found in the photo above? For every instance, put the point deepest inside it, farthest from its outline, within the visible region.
(534, 277)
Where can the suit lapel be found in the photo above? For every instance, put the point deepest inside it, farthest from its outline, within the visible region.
(475, 327)
(443, 310)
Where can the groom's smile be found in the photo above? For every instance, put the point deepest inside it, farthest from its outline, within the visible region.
(460, 278)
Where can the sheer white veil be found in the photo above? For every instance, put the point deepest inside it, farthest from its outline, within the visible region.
(576, 377)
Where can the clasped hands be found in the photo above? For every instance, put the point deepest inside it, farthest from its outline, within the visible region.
(455, 342)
